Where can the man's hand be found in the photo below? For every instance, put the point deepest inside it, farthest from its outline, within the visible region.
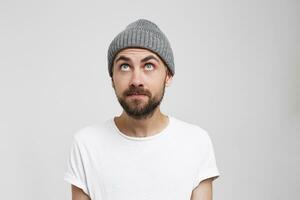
(78, 194)
(203, 191)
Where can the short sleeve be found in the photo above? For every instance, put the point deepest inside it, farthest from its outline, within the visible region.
(75, 171)
(208, 167)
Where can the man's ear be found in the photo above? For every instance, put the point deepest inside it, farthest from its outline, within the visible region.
(112, 83)
(169, 79)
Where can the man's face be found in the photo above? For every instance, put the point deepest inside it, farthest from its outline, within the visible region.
(139, 80)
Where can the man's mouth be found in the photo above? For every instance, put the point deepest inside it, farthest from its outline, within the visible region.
(136, 95)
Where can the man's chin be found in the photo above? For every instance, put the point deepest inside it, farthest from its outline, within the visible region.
(136, 102)
(136, 108)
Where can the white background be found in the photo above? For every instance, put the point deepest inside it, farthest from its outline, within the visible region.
(237, 76)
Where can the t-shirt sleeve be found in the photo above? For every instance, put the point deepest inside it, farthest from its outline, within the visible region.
(208, 167)
(75, 171)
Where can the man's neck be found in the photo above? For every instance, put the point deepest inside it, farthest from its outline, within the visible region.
(142, 127)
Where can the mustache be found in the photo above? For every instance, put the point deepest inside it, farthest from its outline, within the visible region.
(139, 91)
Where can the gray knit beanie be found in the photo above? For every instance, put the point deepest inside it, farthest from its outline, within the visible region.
(142, 34)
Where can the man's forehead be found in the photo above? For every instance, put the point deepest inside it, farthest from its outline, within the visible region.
(140, 52)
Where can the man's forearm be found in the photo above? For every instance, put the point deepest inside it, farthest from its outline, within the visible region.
(203, 191)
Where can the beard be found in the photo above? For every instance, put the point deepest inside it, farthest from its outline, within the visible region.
(136, 108)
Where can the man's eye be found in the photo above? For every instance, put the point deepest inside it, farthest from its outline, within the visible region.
(149, 66)
(124, 67)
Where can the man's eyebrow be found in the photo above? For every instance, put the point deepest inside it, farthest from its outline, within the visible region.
(149, 58)
(122, 58)
(143, 60)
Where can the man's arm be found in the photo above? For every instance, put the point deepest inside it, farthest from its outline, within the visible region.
(78, 194)
(203, 191)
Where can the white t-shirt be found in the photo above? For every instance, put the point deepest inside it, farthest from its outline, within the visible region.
(109, 165)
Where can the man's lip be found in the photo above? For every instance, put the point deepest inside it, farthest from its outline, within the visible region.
(136, 95)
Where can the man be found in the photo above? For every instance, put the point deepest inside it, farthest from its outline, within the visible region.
(142, 154)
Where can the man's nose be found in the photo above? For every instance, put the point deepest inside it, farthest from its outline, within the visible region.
(136, 78)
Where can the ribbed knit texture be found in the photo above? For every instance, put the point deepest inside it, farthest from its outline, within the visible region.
(142, 34)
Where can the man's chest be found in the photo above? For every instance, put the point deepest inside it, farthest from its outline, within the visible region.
(144, 173)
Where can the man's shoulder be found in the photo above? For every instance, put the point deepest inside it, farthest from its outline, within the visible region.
(92, 130)
(190, 129)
